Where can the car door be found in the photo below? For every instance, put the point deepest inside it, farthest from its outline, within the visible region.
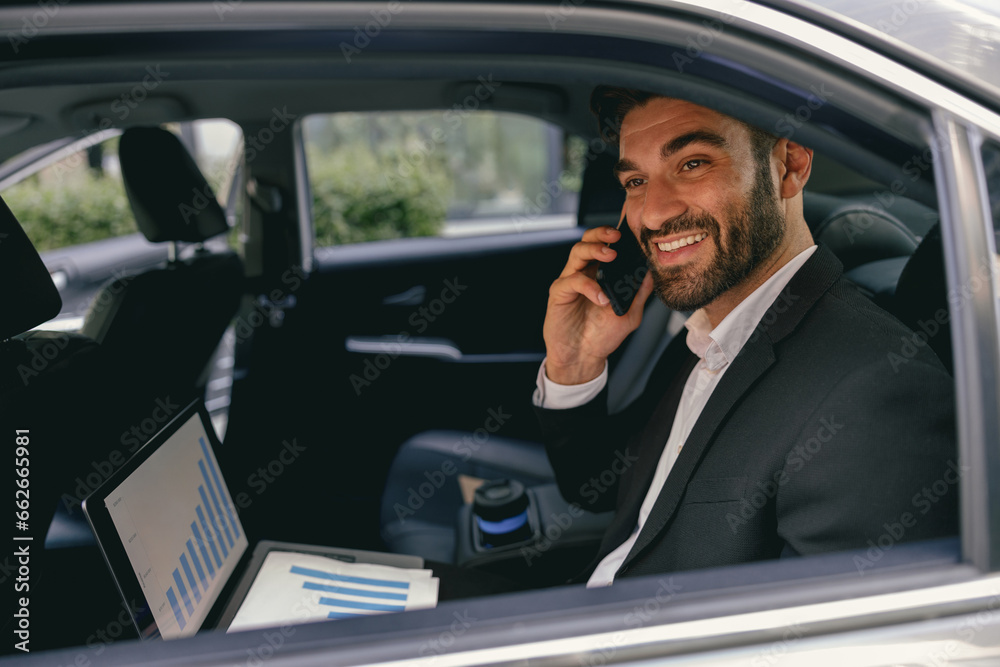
(431, 240)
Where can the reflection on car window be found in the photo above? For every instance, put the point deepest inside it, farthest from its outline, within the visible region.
(376, 176)
(991, 164)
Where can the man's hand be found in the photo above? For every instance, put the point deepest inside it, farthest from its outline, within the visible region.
(581, 329)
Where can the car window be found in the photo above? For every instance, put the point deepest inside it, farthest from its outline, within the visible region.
(80, 197)
(73, 206)
(991, 165)
(377, 176)
(77, 199)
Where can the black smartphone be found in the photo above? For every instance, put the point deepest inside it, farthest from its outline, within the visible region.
(621, 277)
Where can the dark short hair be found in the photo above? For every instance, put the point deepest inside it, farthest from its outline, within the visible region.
(611, 104)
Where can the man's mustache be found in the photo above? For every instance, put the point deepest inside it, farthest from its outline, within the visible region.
(680, 224)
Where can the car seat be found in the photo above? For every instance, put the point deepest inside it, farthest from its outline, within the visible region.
(166, 323)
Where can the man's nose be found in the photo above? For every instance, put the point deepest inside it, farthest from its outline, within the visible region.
(661, 203)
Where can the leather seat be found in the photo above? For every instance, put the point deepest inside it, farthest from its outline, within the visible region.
(59, 396)
(857, 232)
(168, 322)
(921, 298)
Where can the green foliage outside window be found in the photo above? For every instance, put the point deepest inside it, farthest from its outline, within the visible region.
(79, 208)
(358, 196)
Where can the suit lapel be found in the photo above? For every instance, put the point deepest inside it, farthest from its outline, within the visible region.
(677, 363)
(814, 278)
(747, 367)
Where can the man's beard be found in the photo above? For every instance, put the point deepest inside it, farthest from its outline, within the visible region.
(754, 231)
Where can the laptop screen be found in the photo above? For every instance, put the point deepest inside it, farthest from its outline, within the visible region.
(179, 528)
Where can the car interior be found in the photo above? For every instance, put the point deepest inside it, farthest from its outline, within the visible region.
(389, 464)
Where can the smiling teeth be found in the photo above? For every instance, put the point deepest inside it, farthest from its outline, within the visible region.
(680, 243)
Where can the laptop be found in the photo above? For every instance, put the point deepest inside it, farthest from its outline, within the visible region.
(179, 555)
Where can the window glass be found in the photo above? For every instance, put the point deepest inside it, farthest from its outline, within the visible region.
(376, 176)
(991, 164)
(78, 199)
(72, 205)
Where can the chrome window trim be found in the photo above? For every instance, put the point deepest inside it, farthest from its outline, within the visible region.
(968, 246)
(754, 628)
(303, 199)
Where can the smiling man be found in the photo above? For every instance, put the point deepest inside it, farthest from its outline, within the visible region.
(776, 426)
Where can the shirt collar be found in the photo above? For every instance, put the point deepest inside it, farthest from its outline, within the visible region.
(719, 346)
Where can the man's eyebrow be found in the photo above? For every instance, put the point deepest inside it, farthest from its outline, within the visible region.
(624, 165)
(675, 145)
(696, 137)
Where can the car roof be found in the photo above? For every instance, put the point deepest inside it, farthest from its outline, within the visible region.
(954, 41)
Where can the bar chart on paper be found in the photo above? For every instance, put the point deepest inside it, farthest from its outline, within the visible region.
(295, 587)
(176, 519)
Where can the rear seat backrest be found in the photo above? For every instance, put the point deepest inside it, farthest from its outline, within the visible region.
(169, 321)
(857, 233)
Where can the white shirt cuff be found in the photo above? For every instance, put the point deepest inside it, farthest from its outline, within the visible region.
(552, 396)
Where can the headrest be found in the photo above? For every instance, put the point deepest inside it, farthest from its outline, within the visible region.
(601, 195)
(170, 197)
(32, 297)
(856, 232)
(921, 300)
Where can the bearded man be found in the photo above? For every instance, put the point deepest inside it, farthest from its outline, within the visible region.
(777, 426)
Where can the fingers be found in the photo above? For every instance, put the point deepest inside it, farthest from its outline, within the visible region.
(602, 234)
(636, 309)
(590, 248)
(566, 289)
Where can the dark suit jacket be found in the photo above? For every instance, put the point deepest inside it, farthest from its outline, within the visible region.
(831, 430)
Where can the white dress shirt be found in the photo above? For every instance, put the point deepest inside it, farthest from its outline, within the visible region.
(716, 349)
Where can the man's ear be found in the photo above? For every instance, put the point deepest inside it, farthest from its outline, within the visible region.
(794, 166)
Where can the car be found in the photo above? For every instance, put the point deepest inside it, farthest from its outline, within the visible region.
(405, 181)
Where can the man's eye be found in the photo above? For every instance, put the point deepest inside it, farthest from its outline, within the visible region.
(632, 183)
(693, 164)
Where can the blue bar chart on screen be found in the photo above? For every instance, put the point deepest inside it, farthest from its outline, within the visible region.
(180, 529)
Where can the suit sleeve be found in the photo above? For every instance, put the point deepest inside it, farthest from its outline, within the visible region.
(875, 463)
